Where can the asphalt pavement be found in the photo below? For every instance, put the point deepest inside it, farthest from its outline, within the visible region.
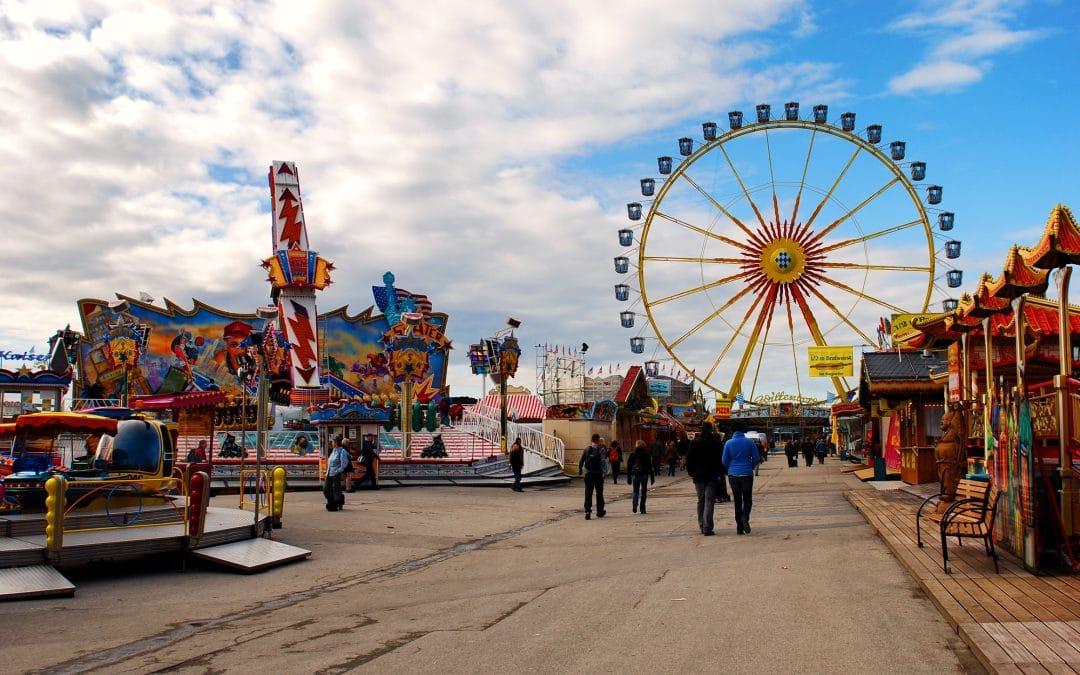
(473, 580)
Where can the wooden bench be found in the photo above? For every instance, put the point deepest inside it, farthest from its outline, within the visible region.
(970, 516)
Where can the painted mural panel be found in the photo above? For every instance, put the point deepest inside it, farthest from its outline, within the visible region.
(164, 350)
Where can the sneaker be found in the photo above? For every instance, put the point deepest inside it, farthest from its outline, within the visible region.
(588, 516)
(601, 514)
(746, 526)
(709, 533)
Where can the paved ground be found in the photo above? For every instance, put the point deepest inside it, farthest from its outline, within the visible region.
(460, 580)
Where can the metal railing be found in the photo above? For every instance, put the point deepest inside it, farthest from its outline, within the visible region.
(484, 422)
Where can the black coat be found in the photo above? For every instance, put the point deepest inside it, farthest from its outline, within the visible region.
(640, 464)
(705, 458)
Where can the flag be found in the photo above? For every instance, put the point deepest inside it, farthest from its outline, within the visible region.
(423, 304)
(829, 397)
(740, 398)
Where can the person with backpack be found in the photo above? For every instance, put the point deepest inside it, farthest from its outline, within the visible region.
(591, 465)
(820, 449)
(704, 463)
(639, 469)
(615, 459)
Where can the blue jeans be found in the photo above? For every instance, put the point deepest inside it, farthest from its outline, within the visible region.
(706, 498)
(641, 487)
(742, 489)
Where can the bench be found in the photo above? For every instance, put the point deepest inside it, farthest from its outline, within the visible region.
(970, 516)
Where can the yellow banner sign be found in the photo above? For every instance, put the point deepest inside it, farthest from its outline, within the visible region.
(831, 361)
(902, 330)
(723, 409)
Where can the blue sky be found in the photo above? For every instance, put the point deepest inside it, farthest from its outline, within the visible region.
(483, 152)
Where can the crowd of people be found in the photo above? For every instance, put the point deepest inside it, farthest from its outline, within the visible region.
(714, 465)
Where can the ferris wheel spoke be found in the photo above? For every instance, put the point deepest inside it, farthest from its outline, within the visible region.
(764, 317)
(825, 301)
(706, 233)
(712, 315)
(746, 193)
(828, 195)
(836, 223)
(682, 259)
(701, 288)
(859, 294)
(864, 266)
(735, 334)
(802, 180)
(867, 237)
(815, 331)
(776, 224)
(720, 207)
(791, 332)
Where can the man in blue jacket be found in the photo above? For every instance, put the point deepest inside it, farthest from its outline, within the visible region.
(741, 457)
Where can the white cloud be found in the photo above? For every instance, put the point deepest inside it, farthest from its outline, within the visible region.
(449, 143)
(962, 35)
(936, 76)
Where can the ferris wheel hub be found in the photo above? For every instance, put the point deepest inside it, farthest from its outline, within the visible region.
(783, 260)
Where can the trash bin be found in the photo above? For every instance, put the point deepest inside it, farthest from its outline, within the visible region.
(879, 469)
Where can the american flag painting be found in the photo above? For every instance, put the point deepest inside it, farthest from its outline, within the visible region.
(423, 304)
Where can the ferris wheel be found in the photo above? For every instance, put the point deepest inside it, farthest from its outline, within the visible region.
(780, 234)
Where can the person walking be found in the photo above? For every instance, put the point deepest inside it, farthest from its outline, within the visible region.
(368, 456)
(704, 462)
(336, 465)
(656, 451)
(672, 457)
(615, 459)
(791, 450)
(741, 457)
(640, 474)
(517, 461)
(820, 449)
(592, 462)
(808, 450)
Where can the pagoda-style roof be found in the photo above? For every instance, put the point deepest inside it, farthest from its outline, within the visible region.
(1060, 242)
(1019, 277)
(982, 302)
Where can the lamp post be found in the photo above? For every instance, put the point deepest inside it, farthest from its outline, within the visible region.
(498, 356)
(268, 314)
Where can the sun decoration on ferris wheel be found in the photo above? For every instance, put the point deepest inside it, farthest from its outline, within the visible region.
(777, 235)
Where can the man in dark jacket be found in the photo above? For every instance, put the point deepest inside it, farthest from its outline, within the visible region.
(591, 465)
(704, 463)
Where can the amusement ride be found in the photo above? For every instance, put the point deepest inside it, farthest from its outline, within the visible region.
(782, 233)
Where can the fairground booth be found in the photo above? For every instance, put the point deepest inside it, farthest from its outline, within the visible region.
(1021, 406)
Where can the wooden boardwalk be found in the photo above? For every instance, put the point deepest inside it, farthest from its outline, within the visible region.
(1014, 622)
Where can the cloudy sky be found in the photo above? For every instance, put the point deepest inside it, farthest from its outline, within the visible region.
(482, 151)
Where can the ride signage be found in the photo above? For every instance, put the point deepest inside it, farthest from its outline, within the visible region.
(831, 361)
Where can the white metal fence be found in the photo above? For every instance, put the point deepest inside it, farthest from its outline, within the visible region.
(484, 422)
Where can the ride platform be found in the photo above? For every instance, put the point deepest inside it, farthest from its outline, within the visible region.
(230, 537)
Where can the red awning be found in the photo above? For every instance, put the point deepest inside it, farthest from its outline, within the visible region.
(518, 406)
